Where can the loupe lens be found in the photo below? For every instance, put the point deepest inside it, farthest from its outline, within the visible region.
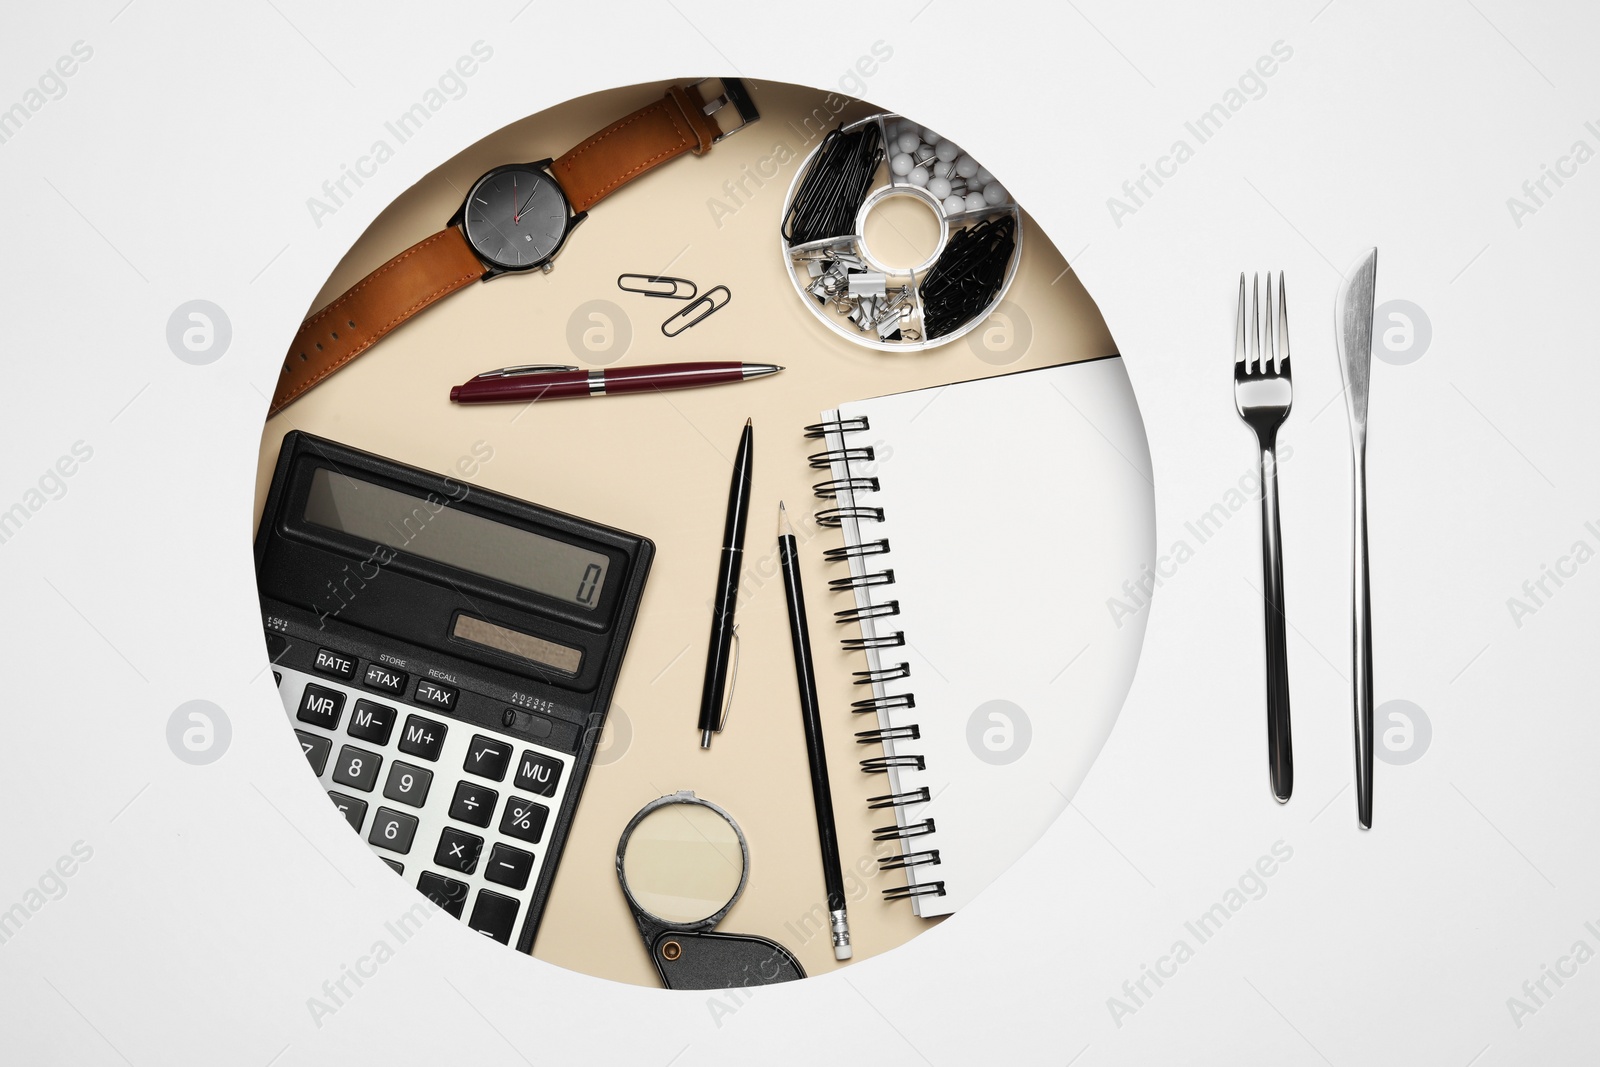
(683, 862)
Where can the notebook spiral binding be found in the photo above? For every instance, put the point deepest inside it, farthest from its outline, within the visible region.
(844, 491)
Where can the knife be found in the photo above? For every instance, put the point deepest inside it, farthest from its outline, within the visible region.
(1352, 331)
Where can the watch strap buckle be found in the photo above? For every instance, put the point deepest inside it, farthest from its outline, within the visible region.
(735, 93)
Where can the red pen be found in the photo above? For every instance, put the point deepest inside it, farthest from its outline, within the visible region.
(550, 382)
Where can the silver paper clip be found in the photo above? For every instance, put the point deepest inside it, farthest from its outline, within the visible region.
(657, 285)
(707, 302)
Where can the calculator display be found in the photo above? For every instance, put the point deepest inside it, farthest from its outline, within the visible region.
(429, 528)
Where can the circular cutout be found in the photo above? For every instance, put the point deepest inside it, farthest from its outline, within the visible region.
(683, 862)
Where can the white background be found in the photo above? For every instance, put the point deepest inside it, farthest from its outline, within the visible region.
(176, 166)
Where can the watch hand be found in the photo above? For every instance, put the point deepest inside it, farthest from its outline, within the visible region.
(516, 214)
(526, 202)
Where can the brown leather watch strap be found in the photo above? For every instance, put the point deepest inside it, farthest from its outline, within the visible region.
(377, 304)
(629, 147)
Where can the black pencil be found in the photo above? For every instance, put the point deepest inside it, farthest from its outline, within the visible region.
(821, 795)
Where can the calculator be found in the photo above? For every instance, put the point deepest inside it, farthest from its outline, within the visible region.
(446, 656)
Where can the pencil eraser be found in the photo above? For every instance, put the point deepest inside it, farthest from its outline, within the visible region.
(841, 952)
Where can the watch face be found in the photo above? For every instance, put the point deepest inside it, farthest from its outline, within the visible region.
(515, 217)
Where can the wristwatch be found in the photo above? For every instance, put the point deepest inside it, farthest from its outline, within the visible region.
(513, 220)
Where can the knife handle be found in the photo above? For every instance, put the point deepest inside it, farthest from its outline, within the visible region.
(1361, 648)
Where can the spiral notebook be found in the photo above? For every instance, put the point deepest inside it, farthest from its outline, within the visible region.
(988, 526)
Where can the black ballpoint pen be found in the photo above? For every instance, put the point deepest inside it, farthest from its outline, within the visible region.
(811, 718)
(727, 592)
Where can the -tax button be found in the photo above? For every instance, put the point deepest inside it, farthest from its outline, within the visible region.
(440, 696)
(335, 663)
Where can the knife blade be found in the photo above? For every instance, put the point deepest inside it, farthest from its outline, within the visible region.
(1352, 325)
(1352, 329)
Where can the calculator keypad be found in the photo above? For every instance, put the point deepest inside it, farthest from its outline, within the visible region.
(458, 850)
(473, 803)
(408, 784)
(371, 721)
(423, 737)
(538, 773)
(353, 809)
(320, 706)
(424, 789)
(357, 768)
(316, 749)
(487, 758)
(393, 830)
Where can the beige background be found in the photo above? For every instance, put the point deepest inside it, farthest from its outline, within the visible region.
(658, 466)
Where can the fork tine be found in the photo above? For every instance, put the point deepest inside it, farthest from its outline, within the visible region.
(1238, 332)
(1269, 344)
(1283, 326)
(1255, 325)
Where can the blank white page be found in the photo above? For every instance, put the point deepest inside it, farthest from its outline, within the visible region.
(1015, 508)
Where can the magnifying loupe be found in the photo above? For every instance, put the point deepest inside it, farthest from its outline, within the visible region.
(682, 863)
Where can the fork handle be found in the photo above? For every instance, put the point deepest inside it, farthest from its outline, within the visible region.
(1280, 748)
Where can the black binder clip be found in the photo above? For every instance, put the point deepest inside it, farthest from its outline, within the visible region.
(698, 311)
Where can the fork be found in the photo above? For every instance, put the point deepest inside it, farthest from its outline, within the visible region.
(1263, 394)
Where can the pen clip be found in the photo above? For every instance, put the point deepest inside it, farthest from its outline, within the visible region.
(526, 368)
(733, 680)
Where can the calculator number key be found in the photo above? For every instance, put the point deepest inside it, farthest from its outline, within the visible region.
(316, 749)
(509, 866)
(494, 915)
(357, 768)
(320, 707)
(524, 819)
(393, 830)
(538, 773)
(408, 784)
(352, 808)
(422, 737)
(458, 850)
(487, 758)
(473, 804)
